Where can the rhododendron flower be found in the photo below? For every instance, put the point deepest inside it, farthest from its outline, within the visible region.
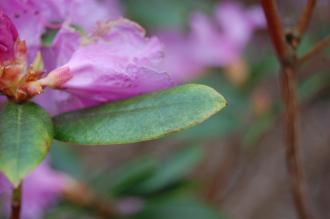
(33, 17)
(41, 189)
(179, 59)
(114, 61)
(216, 41)
(220, 40)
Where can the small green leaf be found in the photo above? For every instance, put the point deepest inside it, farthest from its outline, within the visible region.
(141, 118)
(26, 133)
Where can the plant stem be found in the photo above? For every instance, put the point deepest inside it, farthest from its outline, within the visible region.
(305, 17)
(318, 48)
(16, 202)
(288, 59)
(275, 28)
(288, 85)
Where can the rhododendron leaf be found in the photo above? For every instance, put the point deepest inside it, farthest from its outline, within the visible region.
(26, 132)
(141, 118)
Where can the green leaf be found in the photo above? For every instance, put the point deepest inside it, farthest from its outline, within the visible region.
(141, 118)
(178, 209)
(130, 174)
(26, 133)
(173, 170)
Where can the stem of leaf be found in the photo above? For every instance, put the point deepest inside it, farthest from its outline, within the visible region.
(16, 202)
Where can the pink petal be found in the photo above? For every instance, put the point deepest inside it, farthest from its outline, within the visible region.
(118, 62)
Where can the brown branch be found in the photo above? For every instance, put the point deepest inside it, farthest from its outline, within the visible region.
(305, 18)
(288, 85)
(318, 48)
(287, 56)
(16, 202)
(275, 28)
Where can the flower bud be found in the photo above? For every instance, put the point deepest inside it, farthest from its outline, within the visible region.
(56, 78)
(8, 37)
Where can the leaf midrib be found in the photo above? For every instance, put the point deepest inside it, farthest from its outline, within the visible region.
(18, 141)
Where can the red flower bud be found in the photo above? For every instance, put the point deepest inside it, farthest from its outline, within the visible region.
(8, 37)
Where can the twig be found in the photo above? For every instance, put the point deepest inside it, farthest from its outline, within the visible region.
(318, 48)
(16, 202)
(287, 56)
(288, 85)
(275, 28)
(305, 17)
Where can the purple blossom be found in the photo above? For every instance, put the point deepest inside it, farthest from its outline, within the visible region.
(119, 63)
(116, 61)
(33, 17)
(79, 10)
(41, 189)
(211, 46)
(179, 60)
(212, 41)
(221, 40)
(238, 23)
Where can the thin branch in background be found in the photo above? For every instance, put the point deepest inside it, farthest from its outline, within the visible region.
(305, 17)
(275, 28)
(16, 202)
(317, 49)
(288, 85)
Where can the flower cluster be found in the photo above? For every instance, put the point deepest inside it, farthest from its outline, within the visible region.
(111, 61)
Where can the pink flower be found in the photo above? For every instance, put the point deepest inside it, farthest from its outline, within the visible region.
(179, 60)
(238, 23)
(216, 41)
(8, 37)
(33, 17)
(116, 61)
(41, 189)
(120, 63)
(221, 40)
(211, 46)
(78, 10)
